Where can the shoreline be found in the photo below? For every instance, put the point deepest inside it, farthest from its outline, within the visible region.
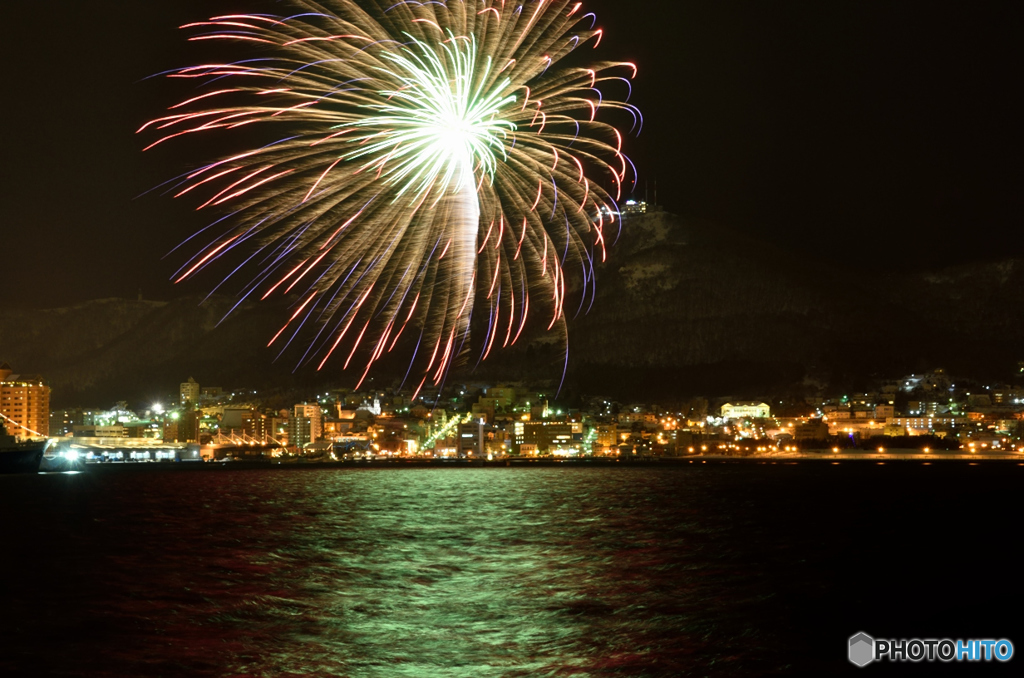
(650, 462)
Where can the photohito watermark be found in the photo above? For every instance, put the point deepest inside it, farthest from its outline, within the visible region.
(863, 649)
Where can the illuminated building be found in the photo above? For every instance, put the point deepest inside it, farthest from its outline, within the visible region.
(856, 427)
(188, 428)
(24, 403)
(278, 428)
(305, 425)
(918, 407)
(916, 426)
(189, 392)
(335, 428)
(372, 409)
(99, 431)
(170, 433)
(1007, 395)
(746, 410)
(861, 400)
(63, 422)
(548, 436)
(894, 431)
(645, 418)
(472, 440)
(634, 207)
(244, 421)
(606, 436)
(298, 431)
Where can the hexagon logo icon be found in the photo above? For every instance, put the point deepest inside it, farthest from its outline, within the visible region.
(862, 649)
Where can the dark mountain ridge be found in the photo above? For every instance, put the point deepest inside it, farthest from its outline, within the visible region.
(682, 308)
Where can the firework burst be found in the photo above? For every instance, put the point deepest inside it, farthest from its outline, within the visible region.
(439, 160)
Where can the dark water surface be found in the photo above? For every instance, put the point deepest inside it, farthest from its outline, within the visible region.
(705, 570)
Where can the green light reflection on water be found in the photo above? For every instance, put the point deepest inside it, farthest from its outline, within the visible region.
(434, 573)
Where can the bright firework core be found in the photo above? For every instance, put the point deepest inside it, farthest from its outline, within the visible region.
(440, 125)
(435, 160)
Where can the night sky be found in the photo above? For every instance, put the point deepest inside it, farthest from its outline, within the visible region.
(870, 134)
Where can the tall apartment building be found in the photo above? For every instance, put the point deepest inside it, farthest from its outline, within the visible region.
(190, 392)
(472, 440)
(24, 403)
(63, 422)
(185, 429)
(606, 437)
(306, 425)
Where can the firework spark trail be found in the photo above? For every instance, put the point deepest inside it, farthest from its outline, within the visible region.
(418, 132)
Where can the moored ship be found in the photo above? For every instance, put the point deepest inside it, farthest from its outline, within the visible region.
(19, 457)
